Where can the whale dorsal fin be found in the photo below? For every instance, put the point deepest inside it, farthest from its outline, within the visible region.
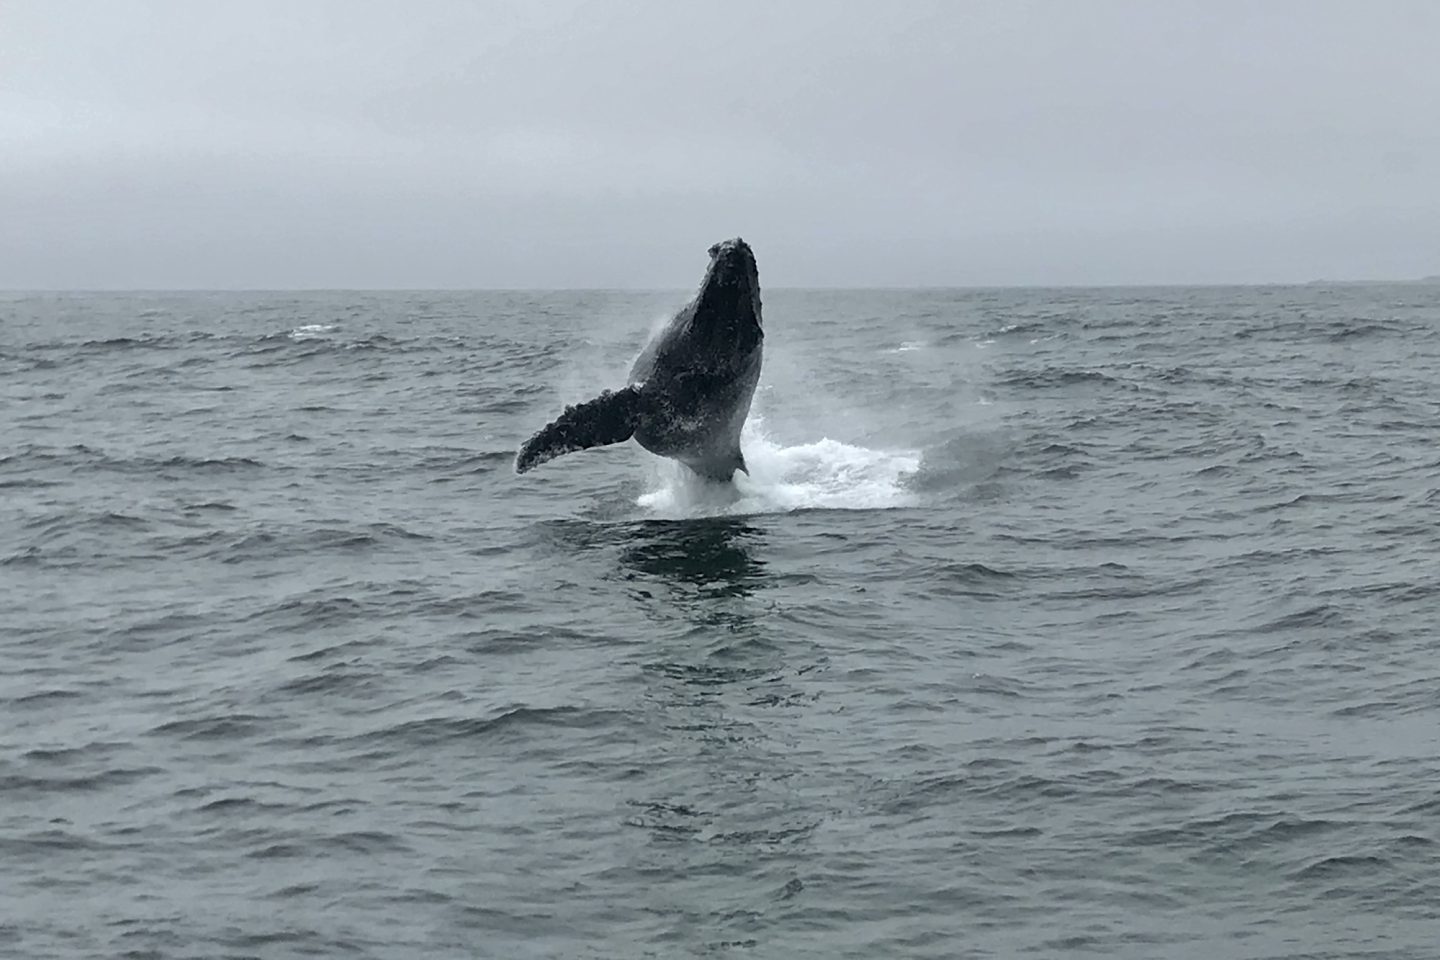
(609, 418)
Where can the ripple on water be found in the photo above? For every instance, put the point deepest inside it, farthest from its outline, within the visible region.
(1046, 622)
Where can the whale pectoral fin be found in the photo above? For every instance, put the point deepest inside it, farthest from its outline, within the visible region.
(609, 418)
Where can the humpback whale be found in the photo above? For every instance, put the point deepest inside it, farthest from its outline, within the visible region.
(689, 391)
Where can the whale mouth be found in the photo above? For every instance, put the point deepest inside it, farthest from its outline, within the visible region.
(731, 287)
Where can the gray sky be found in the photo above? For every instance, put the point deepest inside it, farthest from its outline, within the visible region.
(236, 143)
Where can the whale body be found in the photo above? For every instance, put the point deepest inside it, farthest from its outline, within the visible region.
(690, 389)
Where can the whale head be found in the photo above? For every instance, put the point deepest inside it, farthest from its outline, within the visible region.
(728, 305)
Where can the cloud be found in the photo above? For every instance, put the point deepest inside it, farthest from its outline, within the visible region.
(572, 143)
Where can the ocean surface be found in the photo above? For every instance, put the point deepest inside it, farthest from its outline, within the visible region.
(1049, 623)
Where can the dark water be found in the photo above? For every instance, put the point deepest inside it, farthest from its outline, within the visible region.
(1052, 623)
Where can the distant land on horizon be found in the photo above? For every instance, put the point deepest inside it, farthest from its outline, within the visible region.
(1431, 278)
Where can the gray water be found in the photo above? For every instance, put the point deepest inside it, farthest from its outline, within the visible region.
(1050, 623)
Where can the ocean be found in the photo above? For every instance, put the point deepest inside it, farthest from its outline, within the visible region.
(1048, 623)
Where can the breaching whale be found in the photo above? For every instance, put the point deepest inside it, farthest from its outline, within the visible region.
(689, 391)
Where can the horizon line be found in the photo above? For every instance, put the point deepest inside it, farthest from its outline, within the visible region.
(1427, 280)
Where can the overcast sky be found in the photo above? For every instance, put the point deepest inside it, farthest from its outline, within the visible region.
(236, 143)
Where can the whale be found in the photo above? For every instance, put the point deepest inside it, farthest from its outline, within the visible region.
(689, 391)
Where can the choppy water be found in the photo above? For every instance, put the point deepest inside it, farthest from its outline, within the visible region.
(1051, 623)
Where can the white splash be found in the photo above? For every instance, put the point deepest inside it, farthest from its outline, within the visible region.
(825, 474)
(310, 331)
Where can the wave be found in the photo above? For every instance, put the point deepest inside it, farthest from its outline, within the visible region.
(520, 719)
(83, 457)
(1020, 329)
(310, 331)
(207, 463)
(297, 540)
(1053, 377)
